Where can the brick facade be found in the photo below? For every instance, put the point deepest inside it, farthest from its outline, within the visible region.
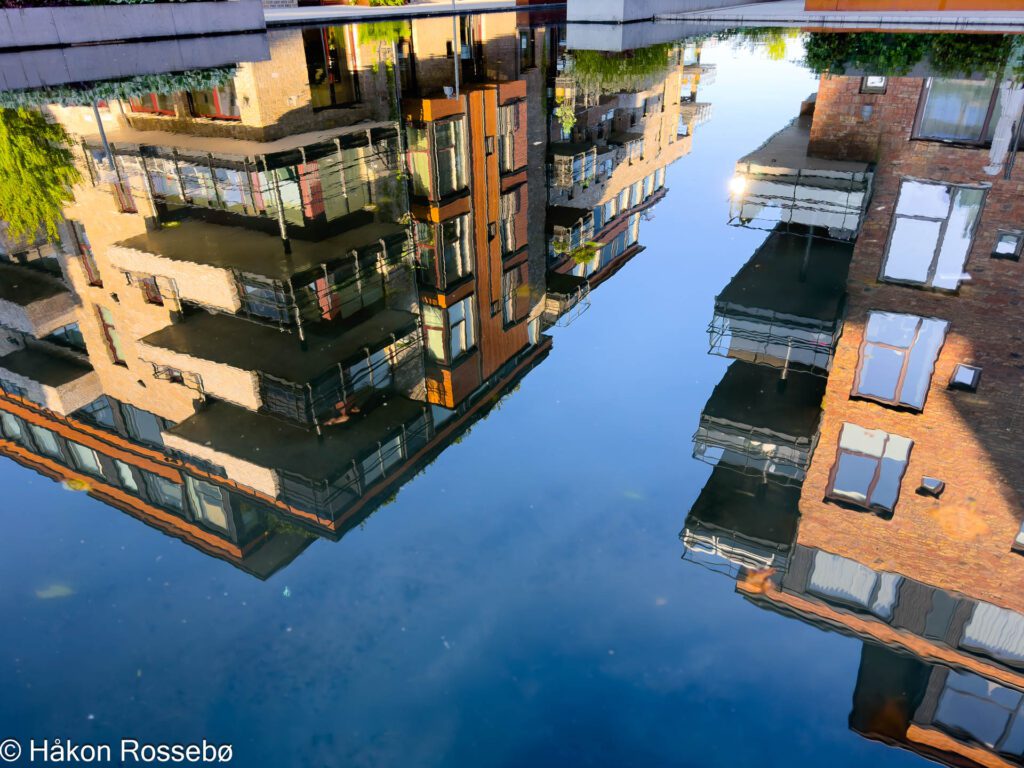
(963, 540)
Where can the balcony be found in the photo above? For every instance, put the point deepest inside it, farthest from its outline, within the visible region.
(51, 380)
(784, 307)
(323, 476)
(33, 302)
(200, 261)
(227, 352)
(743, 521)
(779, 182)
(760, 425)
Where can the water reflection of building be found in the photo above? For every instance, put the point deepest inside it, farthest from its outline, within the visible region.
(610, 145)
(909, 517)
(245, 289)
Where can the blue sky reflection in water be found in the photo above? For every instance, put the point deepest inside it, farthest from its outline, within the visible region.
(521, 602)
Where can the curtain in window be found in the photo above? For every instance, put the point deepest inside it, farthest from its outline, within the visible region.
(955, 110)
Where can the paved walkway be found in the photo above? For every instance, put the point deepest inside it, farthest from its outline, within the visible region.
(348, 13)
(792, 13)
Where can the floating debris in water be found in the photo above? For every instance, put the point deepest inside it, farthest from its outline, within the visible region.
(75, 484)
(54, 592)
(287, 592)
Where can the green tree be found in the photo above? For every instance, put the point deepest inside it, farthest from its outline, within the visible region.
(37, 172)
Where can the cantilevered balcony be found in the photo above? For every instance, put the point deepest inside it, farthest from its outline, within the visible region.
(33, 302)
(235, 269)
(779, 182)
(235, 358)
(743, 521)
(759, 425)
(784, 308)
(49, 379)
(321, 476)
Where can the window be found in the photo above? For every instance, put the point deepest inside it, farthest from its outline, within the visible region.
(84, 252)
(216, 103)
(982, 711)
(932, 232)
(85, 459)
(207, 502)
(142, 425)
(332, 83)
(99, 411)
(125, 476)
(12, 427)
(515, 295)
(112, 337)
(873, 84)
(153, 103)
(455, 245)
(869, 468)
(264, 298)
(508, 126)
(10, 388)
(373, 371)
(958, 110)
(840, 579)
(460, 327)
(46, 442)
(164, 493)
(436, 155)
(1008, 245)
(150, 290)
(433, 328)
(69, 336)
(897, 358)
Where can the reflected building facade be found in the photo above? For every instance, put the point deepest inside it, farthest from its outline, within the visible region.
(277, 299)
(905, 530)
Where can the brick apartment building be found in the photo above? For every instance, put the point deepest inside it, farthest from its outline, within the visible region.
(907, 526)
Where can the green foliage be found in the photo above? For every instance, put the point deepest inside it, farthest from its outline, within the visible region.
(37, 172)
(892, 54)
(383, 31)
(586, 253)
(386, 2)
(614, 72)
(86, 94)
(774, 40)
(566, 116)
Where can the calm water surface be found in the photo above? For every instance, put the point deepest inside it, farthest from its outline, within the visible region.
(520, 594)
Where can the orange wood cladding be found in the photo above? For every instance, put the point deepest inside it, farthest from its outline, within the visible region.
(914, 5)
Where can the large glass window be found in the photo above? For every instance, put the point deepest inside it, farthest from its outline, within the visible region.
(508, 126)
(85, 459)
(460, 327)
(515, 295)
(840, 579)
(932, 232)
(958, 110)
(869, 468)
(332, 83)
(897, 358)
(449, 151)
(208, 502)
(112, 337)
(46, 442)
(437, 158)
(983, 711)
(164, 492)
(455, 243)
(264, 298)
(12, 427)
